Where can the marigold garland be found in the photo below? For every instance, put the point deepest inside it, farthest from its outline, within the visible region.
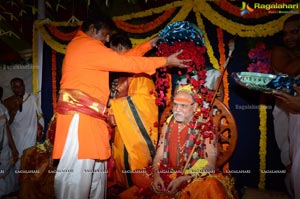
(210, 51)
(143, 28)
(198, 7)
(149, 12)
(56, 45)
(262, 144)
(221, 47)
(180, 16)
(235, 28)
(261, 62)
(61, 35)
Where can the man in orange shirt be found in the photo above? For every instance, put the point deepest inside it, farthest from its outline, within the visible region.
(82, 138)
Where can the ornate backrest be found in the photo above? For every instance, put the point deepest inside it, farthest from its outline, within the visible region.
(226, 130)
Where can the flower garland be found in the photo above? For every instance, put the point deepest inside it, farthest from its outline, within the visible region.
(190, 51)
(193, 50)
(210, 51)
(61, 35)
(56, 45)
(261, 62)
(143, 28)
(149, 12)
(221, 47)
(235, 28)
(262, 145)
(202, 123)
(180, 16)
(197, 6)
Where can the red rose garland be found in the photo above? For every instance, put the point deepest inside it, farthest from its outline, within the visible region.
(197, 68)
(205, 126)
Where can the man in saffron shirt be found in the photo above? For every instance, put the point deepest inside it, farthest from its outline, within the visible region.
(82, 138)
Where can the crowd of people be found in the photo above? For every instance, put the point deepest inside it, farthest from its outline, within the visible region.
(96, 122)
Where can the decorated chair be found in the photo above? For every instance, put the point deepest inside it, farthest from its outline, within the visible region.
(178, 36)
(226, 130)
(227, 134)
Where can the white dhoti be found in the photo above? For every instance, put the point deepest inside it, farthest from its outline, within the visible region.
(294, 136)
(78, 179)
(24, 125)
(281, 131)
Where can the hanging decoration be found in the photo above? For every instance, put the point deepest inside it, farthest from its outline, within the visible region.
(235, 28)
(262, 144)
(261, 62)
(210, 51)
(144, 28)
(61, 35)
(221, 47)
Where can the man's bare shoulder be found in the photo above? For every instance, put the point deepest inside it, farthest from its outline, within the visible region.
(11, 102)
(11, 98)
(280, 50)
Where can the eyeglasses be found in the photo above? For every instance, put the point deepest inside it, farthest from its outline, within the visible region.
(182, 106)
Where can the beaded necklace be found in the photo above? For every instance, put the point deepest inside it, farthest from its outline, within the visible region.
(184, 149)
(179, 156)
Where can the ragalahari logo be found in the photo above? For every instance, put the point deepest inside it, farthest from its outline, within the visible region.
(245, 9)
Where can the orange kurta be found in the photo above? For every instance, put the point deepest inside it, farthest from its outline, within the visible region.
(86, 67)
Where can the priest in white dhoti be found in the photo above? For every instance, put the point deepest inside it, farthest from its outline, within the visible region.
(25, 116)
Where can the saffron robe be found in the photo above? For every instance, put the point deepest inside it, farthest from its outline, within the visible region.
(135, 115)
(212, 186)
